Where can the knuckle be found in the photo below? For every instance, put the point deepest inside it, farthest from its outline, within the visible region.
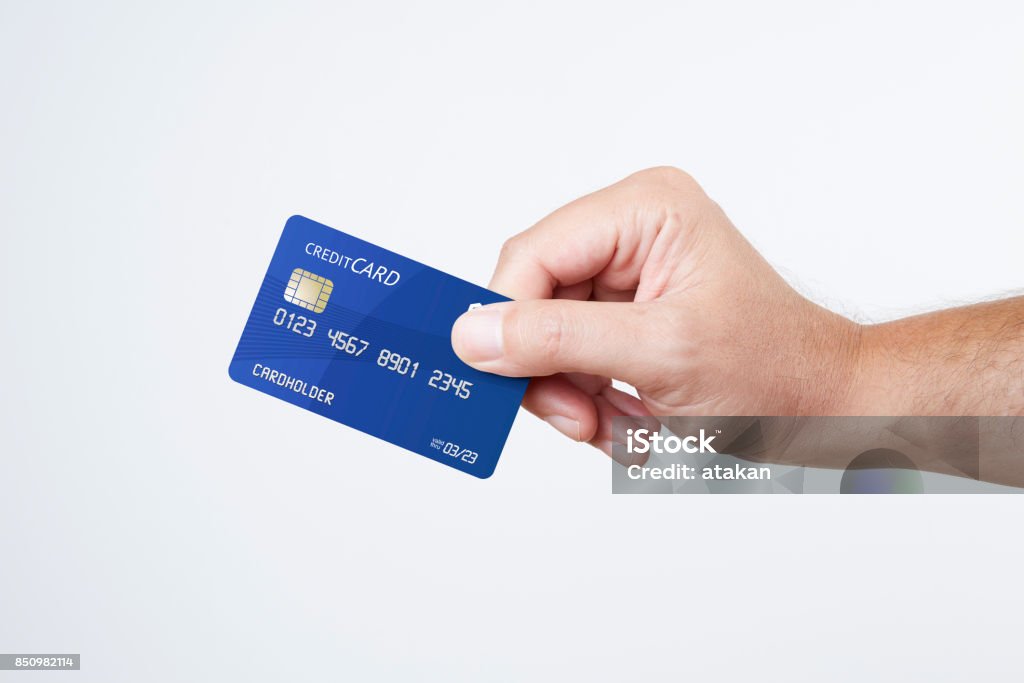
(511, 248)
(549, 331)
(544, 333)
(667, 189)
(667, 177)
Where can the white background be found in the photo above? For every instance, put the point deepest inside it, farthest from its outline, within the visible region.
(172, 525)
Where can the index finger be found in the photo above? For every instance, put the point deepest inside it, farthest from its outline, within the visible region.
(604, 236)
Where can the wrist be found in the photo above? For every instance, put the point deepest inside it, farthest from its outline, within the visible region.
(869, 391)
(836, 379)
(817, 372)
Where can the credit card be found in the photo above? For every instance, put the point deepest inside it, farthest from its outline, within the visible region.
(362, 335)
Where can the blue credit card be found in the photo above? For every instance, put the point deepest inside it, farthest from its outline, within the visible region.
(361, 335)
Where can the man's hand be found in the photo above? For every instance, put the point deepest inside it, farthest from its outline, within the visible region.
(648, 282)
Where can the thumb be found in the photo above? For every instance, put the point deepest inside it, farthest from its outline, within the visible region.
(534, 338)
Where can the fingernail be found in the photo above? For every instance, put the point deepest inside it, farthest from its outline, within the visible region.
(479, 335)
(566, 425)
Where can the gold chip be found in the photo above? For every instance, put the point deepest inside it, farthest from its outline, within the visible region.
(309, 290)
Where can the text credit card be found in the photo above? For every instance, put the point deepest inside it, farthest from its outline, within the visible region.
(361, 335)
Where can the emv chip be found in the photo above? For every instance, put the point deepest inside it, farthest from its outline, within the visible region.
(308, 290)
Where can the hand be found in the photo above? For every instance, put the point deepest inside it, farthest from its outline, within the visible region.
(648, 282)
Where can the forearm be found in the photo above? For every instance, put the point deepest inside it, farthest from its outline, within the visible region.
(961, 361)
